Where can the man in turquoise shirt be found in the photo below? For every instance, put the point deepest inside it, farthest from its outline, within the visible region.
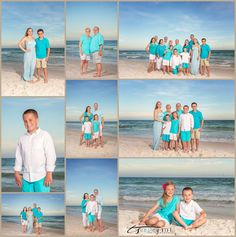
(205, 58)
(178, 46)
(42, 54)
(39, 221)
(198, 125)
(96, 48)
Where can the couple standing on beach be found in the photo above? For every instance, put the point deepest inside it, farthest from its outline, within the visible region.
(36, 54)
(170, 57)
(91, 45)
(31, 218)
(180, 125)
(92, 210)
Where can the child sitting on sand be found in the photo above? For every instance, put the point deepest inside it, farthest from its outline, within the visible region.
(83, 206)
(174, 130)
(176, 63)
(166, 60)
(92, 211)
(23, 219)
(96, 128)
(189, 214)
(87, 130)
(151, 49)
(166, 132)
(160, 214)
(39, 221)
(185, 56)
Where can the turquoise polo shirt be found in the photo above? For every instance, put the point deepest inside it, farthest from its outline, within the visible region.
(188, 47)
(39, 216)
(174, 126)
(35, 211)
(197, 118)
(83, 205)
(23, 215)
(152, 49)
(179, 112)
(178, 47)
(41, 47)
(161, 50)
(205, 50)
(96, 41)
(165, 113)
(85, 42)
(96, 125)
(168, 54)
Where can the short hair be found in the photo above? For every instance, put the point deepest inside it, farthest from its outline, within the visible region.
(186, 106)
(40, 30)
(30, 111)
(204, 39)
(92, 195)
(187, 189)
(194, 103)
(39, 207)
(167, 115)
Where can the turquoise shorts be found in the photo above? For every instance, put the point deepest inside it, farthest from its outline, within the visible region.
(175, 70)
(186, 221)
(91, 218)
(37, 186)
(87, 136)
(165, 138)
(185, 136)
(185, 65)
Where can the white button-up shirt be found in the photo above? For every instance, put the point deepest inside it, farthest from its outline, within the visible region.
(186, 122)
(35, 153)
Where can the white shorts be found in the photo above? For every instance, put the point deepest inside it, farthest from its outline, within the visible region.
(85, 219)
(100, 130)
(173, 137)
(159, 63)
(85, 57)
(152, 57)
(166, 62)
(95, 135)
(161, 218)
(24, 222)
(99, 216)
(97, 58)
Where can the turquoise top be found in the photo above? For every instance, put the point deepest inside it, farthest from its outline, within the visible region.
(161, 50)
(205, 50)
(197, 118)
(152, 48)
(96, 41)
(174, 126)
(96, 125)
(83, 205)
(90, 117)
(179, 112)
(100, 115)
(168, 54)
(85, 42)
(41, 47)
(165, 113)
(39, 216)
(179, 48)
(167, 210)
(23, 215)
(35, 210)
(188, 47)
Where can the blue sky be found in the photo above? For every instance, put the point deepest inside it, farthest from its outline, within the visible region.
(215, 98)
(89, 14)
(18, 16)
(51, 204)
(87, 92)
(176, 168)
(84, 175)
(51, 119)
(139, 21)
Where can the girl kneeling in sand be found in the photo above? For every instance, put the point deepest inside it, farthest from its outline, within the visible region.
(160, 214)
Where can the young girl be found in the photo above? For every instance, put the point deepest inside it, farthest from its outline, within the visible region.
(87, 130)
(174, 130)
(185, 56)
(23, 217)
(166, 60)
(161, 214)
(92, 211)
(151, 49)
(96, 126)
(83, 205)
(82, 120)
(166, 132)
(175, 62)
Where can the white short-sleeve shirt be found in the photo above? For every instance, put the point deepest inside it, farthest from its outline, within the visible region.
(190, 211)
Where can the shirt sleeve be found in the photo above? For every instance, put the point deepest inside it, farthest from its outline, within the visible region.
(47, 44)
(101, 40)
(191, 121)
(19, 158)
(50, 153)
(201, 116)
(197, 208)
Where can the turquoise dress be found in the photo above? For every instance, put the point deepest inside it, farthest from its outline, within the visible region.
(157, 128)
(194, 62)
(30, 225)
(29, 60)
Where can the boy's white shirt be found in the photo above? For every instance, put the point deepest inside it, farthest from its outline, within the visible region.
(190, 211)
(175, 61)
(35, 155)
(87, 127)
(92, 207)
(186, 122)
(185, 57)
(166, 127)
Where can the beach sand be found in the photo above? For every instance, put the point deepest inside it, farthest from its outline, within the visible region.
(141, 147)
(12, 229)
(74, 150)
(12, 85)
(73, 71)
(138, 70)
(74, 227)
(213, 227)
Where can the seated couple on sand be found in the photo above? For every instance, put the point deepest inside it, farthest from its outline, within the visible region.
(36, 54)
(31, 220)
(170, 210)
(91, 45)
(173, 58)
(92, 126)
(178, 126)
(92, 211)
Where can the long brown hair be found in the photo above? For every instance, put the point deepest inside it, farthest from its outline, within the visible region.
(26, 32)
(156, 107)
(164, 195)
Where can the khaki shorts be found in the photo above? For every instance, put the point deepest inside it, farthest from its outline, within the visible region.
(41, 63)
(205, 62)
(97, 58)
(196, 134)
(38, 225)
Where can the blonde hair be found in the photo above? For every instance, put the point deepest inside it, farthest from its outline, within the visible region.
(27, 30)
(164, 195)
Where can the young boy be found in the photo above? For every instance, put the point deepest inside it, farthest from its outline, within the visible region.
(87, 130)
(205, 56)
(186, 124)
(166, 132)
(92, 211)
(185, 61)
(189, 214)
(42, 54)
(96, 128)
(176, 63)
(39, 221)
(35, 154)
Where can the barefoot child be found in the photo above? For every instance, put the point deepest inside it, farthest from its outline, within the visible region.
(87, 130)
(160, 215)
(166, 60)
(174, 130)
(92, 210)
(151, 49)
(166, 132)
(96, 129)
(35, 154)
(39, 221)
(23, 219)
(205, 55)
(189, 214)
(176, 63)
(83, 206)
(185, 56)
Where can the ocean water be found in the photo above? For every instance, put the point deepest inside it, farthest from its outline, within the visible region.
(110, 50)
(109, 130)
(210, 193)
(220, 58)
(8, 179)
(213, 131)
(109, 213)
(50, 222)
(16, 56)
